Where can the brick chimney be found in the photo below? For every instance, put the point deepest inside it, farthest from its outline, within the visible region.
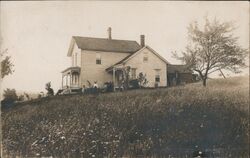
(109, 33)
(142, 40)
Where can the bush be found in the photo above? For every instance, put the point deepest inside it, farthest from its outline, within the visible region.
(134, 84)
(10, 97)
(109, 87)
(21, 97)
(50, 91)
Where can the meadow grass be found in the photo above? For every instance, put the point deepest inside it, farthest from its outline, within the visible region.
(148, 122)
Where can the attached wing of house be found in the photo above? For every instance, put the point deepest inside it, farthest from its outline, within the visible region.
(146, 61)
(179, 74)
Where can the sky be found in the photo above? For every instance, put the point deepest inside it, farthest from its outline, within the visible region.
(38, 34)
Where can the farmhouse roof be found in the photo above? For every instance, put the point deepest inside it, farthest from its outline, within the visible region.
(108, 45)
(178, 68)
(133, 54)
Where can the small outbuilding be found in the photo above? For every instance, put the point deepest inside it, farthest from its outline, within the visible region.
(179, 75)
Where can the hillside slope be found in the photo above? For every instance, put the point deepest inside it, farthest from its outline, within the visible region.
(172, 121)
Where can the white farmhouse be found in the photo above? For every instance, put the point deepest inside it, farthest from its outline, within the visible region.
(102, 59)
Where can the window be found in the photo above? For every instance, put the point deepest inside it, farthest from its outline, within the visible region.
(157, 75)
(133, 73)
(76, 59)
(73, 59)
(157, 78)
(145, 57)
(98, 58)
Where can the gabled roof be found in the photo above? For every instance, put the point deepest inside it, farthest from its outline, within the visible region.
(178, 68)
(124, 59)
(106, 45)
(127, 58)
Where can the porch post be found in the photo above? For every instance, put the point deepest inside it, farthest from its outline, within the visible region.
(114, 77)
(70, 80)
(66, 80)
(78, 81)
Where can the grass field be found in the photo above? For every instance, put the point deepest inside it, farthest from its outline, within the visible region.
(151, 122)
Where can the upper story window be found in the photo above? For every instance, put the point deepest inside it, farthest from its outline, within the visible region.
(73, 59)
(98, 58)
(76, 59)
(145, 57)
(133, 73)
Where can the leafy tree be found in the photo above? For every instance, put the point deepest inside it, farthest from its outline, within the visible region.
(213, 48)
(6, 64)
(126, 76)
(50, 91)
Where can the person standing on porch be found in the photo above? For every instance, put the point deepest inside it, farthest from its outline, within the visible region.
(95, 85)
(83, 88)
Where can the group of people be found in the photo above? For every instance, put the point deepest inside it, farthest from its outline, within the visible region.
(108, 87)
(95, 87)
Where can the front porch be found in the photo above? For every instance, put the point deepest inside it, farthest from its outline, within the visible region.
(71, 78)
(117, 75)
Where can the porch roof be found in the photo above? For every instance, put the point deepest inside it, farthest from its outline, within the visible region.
(118, 64)
(117, 67)
(71, 70)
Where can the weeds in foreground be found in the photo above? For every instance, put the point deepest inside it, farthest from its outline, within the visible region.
(156, 122)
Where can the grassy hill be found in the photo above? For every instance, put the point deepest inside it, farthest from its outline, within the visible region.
(159, 122)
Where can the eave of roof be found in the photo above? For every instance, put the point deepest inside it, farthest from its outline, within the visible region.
(178, 68)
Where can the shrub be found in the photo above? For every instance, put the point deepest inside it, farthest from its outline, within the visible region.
(21, 97)
(134, 84)
(109, 87)
(10, 97)
(50, 91)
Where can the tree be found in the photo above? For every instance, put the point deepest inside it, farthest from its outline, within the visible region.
(125, 76)
(6, 64)
(142, 79)
(213, 48)
(50, 91)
